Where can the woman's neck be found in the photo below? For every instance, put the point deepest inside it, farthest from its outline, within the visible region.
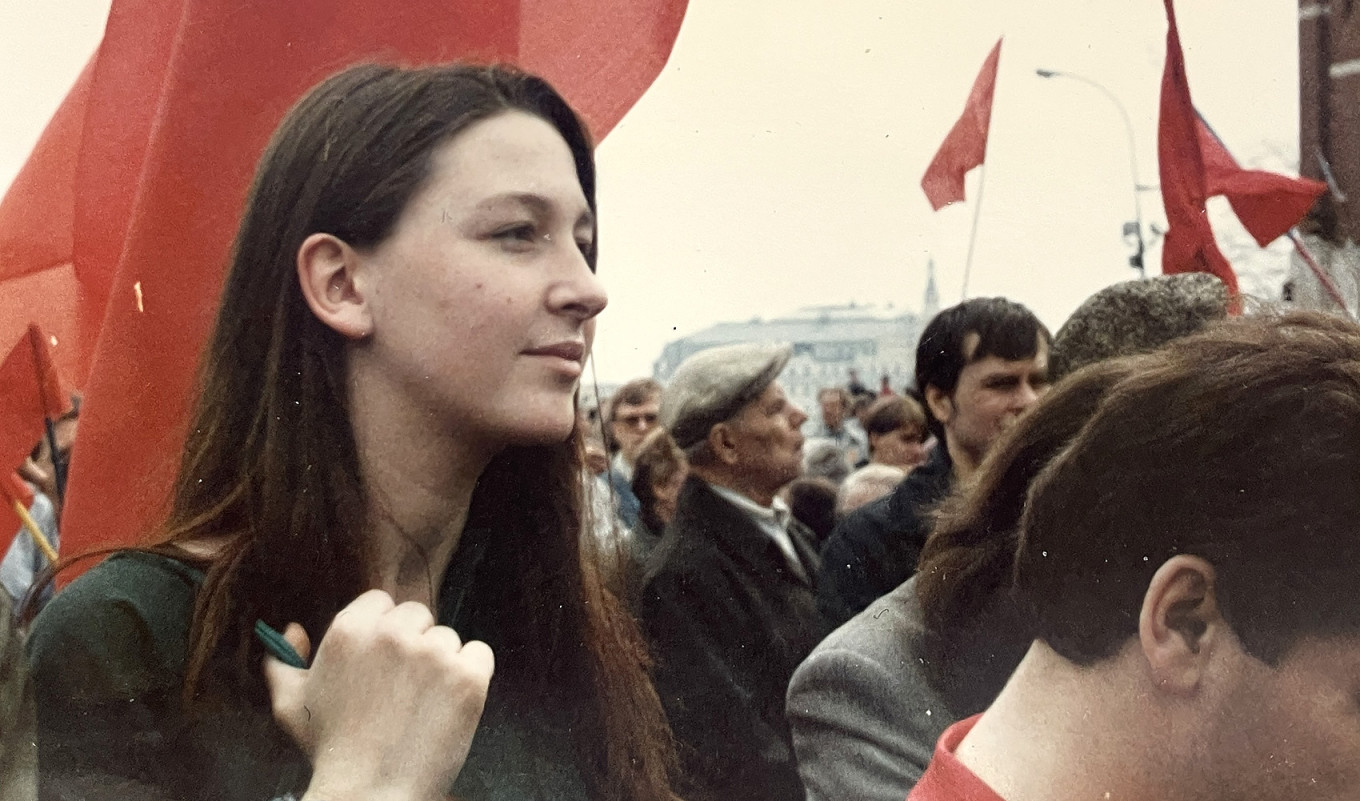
(419, 483)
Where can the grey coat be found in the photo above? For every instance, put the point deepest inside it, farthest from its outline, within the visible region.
(866, 707)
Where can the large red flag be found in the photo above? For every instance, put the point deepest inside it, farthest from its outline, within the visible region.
(966, 145)
(1268, 204)
(30, 393)
(1189, 246)
(159, 139)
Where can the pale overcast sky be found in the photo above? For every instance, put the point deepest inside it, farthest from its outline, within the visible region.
(776, 162)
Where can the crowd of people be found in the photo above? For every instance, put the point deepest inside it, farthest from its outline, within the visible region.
(401, 563)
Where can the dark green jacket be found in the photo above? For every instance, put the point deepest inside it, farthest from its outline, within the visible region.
(108, 658)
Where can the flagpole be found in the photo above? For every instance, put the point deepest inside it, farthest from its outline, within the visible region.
(972, 238)
(1319, 273)
(31, 526)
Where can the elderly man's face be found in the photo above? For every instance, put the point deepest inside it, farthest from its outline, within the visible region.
(767, 440)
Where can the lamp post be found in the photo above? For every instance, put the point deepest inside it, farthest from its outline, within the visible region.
(1135, 228)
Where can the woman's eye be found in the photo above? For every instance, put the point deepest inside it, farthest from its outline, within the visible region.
(524, 233)
(584, 245)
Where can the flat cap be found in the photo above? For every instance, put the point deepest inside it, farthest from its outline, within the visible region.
(1138, 316)
(712, 385)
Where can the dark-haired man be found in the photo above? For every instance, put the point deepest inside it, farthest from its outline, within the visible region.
(728, 602)
(980, 365)
(1191, 576)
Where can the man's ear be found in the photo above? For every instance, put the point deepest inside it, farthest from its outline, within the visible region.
(1180, 624)
(723, 442)
(326, 268)
(941, 405)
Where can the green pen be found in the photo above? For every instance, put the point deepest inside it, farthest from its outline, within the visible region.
(277, 646)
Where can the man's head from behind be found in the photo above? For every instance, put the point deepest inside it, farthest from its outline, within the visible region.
(727, 412)
(980, 365)
(633, 413)
(1200, 538)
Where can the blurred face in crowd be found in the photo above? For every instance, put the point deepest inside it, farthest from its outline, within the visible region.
(667, 492)
(833, 409)
(766, 443)
(632, 423)
(903, 447)
(40, 470)
(990, 396)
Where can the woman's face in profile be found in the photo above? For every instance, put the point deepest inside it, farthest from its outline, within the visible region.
(482, 302)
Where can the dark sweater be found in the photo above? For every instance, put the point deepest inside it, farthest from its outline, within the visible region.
(109, 655)
(876, 547)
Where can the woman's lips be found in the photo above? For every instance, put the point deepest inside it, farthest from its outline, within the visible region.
(567, 356)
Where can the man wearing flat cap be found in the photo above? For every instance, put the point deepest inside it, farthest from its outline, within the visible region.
(729, 601)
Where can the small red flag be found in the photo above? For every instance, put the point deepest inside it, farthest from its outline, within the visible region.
(966, 145)
(1189, 246)
(30, 393)
(1267, 203)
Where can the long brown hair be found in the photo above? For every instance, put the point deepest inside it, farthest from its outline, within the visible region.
(271, 470)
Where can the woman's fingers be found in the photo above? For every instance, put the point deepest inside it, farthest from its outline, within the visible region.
(391, 699)
(297, 637)
(287, 687)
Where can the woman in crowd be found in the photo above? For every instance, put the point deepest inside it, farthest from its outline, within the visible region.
(387, 427)
(657, 477)
(896, 425)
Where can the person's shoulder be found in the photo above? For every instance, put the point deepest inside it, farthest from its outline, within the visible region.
(888, 630)
(127, 619)
(869, 522)
(147, 582)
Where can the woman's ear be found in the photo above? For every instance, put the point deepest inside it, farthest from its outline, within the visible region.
(327, 268)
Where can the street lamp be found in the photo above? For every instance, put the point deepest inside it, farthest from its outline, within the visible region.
(1132, 229)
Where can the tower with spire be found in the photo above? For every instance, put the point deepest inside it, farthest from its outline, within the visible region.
(931, 305)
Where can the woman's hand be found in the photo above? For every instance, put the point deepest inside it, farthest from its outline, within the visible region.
(388, 708)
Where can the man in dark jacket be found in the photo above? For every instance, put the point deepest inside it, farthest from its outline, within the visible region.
(980, 365)
(729, 602)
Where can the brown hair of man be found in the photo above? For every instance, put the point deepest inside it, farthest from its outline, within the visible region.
(1239, 445)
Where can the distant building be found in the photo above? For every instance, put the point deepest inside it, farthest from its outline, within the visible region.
(828, 342)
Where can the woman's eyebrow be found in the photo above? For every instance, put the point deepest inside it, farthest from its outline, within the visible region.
(536, 203)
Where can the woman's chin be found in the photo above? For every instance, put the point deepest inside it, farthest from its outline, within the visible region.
(551, 428)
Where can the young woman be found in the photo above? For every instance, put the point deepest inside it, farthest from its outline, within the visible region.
(385, 453)
(896, 426)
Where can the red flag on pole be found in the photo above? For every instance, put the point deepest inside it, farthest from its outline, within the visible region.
(966, 145)
(1268, 204)
(1189, 246)
(30, 393)
(157, 144)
